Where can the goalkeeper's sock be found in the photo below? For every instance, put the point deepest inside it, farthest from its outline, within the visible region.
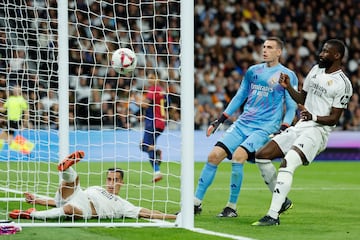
(197, 202)
(231, 205)
(268, 172)
(48, 214)
(69, 175)
(206, 178)
(237, 171)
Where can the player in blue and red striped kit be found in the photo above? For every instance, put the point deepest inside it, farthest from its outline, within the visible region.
(264, 102)
(154, 104)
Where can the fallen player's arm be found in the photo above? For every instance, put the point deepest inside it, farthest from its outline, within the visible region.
(32, 199)
(154, 214)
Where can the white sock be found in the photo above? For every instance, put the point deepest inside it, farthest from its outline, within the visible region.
(282, 188)
(283, 182)
(268, 172)
(48, 214)
(197, 201)
(69, 175)
(231, 205)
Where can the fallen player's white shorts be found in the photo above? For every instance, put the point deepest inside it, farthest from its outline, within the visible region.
(78, 199)
(310, 140)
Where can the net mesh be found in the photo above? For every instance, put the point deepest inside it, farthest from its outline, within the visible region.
(105, 118)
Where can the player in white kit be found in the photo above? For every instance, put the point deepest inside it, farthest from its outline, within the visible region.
(72, 201)
(325, 94)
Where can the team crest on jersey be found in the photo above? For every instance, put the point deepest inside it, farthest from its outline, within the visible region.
(273, 81)
(330, 82)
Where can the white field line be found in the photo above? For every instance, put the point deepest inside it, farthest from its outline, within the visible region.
(221, 189)
(18, 192)
(299, 188)
(230, 236)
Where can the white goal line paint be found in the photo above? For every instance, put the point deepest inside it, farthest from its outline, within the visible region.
(5, 199)
(204, 231)
(12, 199)
(301, 189)
(18, 192)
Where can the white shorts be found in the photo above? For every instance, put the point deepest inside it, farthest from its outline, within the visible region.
(78, 199)
(310, 140)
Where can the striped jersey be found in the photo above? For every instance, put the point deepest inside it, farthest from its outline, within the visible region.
(155, 114)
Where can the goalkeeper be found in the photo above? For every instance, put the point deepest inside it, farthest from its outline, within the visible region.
(264, 100)
(71, 201)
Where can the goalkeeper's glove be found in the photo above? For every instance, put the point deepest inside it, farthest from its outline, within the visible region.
(283, 127)
(214, 125)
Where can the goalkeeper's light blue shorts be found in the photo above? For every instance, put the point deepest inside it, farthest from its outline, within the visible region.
(235, 137)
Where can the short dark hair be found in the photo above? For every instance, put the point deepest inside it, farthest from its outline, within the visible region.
(118, 170)
(338, 45)
(278, 41)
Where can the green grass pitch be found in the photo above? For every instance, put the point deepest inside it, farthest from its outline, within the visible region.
(326, 198)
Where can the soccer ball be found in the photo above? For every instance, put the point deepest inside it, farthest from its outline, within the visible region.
(123, 60)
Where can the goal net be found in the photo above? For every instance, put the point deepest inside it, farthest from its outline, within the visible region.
(76, 101)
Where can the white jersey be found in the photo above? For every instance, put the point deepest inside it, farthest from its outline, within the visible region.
(108, 205)
(325, 91)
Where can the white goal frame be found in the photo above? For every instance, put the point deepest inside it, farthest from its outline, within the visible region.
(187, 119)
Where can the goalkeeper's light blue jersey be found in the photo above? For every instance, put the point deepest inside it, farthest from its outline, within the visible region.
(266, 100)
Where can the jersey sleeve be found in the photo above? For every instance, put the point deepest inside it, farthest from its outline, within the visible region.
(343, 96)
(240, 95)
(128, 209)
(289, 101)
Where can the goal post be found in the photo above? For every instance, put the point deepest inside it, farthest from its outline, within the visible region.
(59, 53)
(63, 78)
(187, 105)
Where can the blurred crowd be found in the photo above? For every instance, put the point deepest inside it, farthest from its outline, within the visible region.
(228, 39)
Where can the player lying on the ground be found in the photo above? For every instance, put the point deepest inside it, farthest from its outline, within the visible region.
(72, 201)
